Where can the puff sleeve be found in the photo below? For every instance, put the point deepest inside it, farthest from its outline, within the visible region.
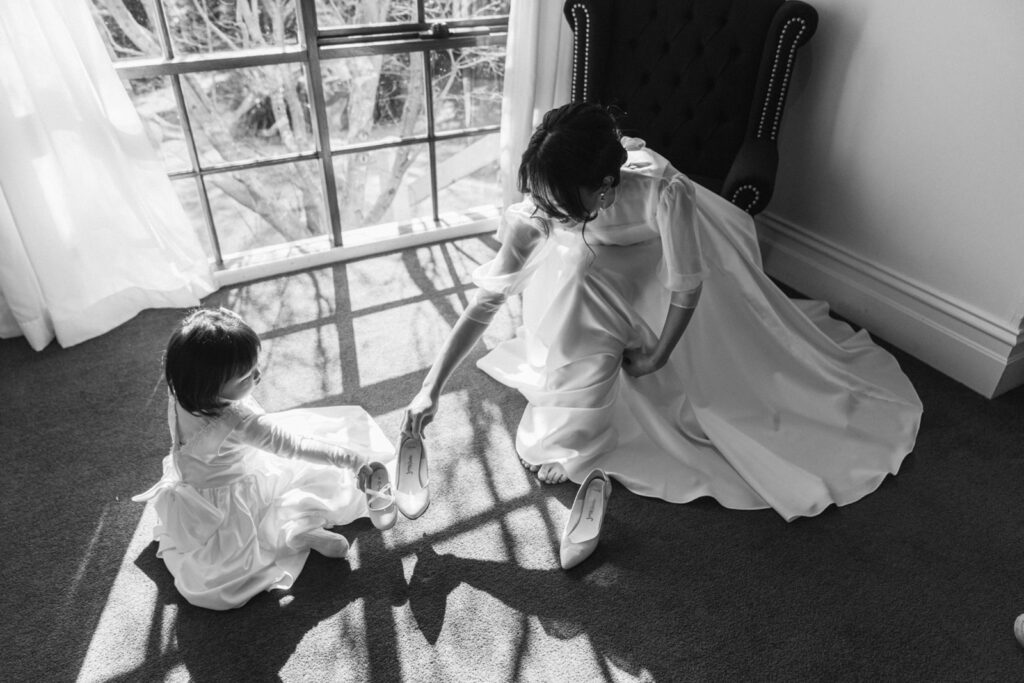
(522, 234)
(682, 266)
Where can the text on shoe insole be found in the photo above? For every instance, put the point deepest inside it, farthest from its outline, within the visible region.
(593, 510)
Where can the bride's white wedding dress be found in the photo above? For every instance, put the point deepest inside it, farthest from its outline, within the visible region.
(765, 402)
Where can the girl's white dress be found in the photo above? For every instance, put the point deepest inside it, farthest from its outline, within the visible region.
(234, 502)
(766, 401)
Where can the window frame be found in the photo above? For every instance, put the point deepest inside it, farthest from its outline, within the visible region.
(314, 46)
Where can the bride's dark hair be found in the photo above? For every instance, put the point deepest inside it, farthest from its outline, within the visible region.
(575, 146)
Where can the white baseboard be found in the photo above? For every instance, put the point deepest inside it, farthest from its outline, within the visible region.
(961, 341)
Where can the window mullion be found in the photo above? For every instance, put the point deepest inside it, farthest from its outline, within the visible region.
(193, 155)
(318, 110)
(165, 35)
(190, 141)
(428, 94)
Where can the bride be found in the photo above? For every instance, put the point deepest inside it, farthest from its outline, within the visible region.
(654, 347)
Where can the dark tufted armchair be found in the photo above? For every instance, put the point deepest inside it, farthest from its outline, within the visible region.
(702, 81)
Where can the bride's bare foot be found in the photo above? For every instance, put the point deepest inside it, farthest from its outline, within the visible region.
(552, 473)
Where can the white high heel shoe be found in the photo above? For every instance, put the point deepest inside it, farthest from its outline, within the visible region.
(412, 477)
(583, 528)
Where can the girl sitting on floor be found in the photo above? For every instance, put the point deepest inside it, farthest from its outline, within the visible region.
(245, 495)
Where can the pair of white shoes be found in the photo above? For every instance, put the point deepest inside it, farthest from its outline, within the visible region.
(410, 494)
(583, 528)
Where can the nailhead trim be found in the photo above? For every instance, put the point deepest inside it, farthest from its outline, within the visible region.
(576, 11)
(785, 79)
(741, 188)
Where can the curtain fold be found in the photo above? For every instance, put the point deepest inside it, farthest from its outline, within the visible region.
(538, 73)
(91, 230)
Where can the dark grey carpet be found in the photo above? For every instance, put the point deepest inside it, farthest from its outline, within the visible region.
(920, 581)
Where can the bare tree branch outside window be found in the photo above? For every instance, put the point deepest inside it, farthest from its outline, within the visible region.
(261, 112)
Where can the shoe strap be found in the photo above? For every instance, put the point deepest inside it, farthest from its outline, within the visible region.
(383, 494)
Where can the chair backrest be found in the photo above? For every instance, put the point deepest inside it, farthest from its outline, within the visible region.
(695, 78)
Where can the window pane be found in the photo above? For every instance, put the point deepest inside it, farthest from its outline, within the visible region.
(465, 9)
(267, 206)
(128, 28)
(374, 98)
(337, 13)
(248, 113)
(467, 85)
(188, 193)
(204, 26)
(383, 186)
(467, 173)
(154, 100)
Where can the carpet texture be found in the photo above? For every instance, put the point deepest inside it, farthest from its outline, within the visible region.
(919, 581)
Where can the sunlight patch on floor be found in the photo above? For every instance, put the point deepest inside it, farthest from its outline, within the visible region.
(90, 549)
(122, 640)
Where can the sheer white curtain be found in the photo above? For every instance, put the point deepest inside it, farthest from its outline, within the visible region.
(538, 71)
(91, 231)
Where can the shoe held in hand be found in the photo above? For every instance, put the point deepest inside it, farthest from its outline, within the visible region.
(412, 478)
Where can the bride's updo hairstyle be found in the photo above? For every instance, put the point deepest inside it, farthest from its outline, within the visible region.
(210, 347)
(575, 146)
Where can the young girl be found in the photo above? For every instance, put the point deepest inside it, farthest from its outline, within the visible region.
(245, 495)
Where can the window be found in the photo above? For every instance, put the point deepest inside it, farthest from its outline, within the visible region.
(301, 131)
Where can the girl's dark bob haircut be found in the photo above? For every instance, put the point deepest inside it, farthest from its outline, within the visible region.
(575, 146)
(210, 347)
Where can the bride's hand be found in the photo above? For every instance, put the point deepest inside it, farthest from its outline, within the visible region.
(637, 362)
(419, 414)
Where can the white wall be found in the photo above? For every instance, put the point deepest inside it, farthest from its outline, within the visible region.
(900, 195)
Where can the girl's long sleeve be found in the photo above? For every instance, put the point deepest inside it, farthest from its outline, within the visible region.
(261, 431)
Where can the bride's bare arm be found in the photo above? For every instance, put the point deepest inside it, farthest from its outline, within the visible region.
(464, 335)
(519, 240)
(640, 362)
